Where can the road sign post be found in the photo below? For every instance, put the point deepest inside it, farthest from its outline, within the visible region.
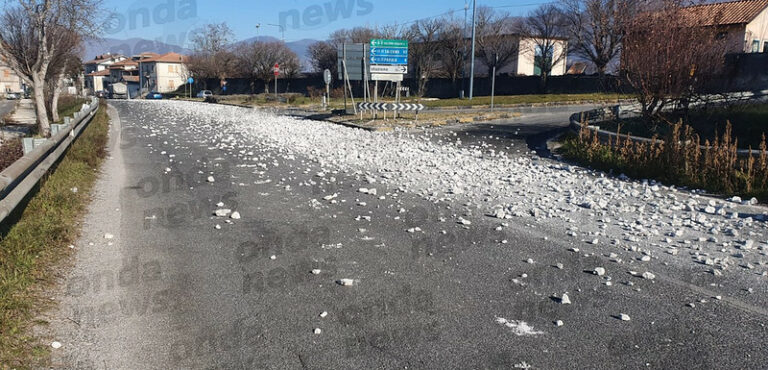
(327, 78)
(277, 73)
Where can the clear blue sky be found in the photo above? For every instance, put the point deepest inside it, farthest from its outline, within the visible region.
(172, 21)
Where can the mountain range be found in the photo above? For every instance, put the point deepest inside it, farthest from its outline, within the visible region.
(135, 46)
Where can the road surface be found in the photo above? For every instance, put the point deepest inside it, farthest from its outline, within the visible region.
(443, 249)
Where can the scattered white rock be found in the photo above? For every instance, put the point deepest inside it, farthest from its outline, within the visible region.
(211, 179)
(235, 215)
(346, 282)
(318, 331)
(565, 299)
(108, 236)
(56, 345)
(624, 317)
(224, 212)
(599, 271)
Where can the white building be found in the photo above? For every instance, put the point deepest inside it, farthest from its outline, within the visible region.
(163, 73)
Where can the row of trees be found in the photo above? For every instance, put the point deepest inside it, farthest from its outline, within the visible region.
(215, 56)
(666, 55)
(41, 41)
(440, 46)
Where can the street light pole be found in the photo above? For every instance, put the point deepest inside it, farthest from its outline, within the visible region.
(472, 56)
(464, 50)
(282, 29)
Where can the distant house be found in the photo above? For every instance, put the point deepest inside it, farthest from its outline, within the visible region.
(743, 23)
(97, 69)
(10, 82)
(529, 56)
(163, 73)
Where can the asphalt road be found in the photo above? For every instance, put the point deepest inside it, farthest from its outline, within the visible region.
(169, 290)
(6, 106)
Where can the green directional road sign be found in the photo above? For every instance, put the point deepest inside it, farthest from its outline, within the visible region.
(389, 43)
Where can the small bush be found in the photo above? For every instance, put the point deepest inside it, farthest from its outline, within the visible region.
(10, 151)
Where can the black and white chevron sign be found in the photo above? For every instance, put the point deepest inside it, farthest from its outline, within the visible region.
(390, 106)
(407, 107)
(372, 106)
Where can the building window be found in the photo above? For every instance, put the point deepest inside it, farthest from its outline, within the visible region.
(171, 84)
(756, 46)
(6, 73)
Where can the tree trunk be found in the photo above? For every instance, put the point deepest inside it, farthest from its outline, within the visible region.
(55, 98)
(38, 84)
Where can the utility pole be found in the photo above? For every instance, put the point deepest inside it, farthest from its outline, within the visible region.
(464, 51)
(472, 56)
(493, 80)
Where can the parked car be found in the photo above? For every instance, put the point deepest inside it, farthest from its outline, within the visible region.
(204, 94)
(12, 96)
(154, 95)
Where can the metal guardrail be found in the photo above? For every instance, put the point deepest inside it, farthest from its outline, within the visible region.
(20, 178)
(616, 111)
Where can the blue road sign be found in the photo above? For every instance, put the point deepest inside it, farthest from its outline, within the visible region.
(394, 52)
(190, 80)
(389, 60)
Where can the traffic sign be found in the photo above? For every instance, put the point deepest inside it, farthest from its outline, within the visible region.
(403, 52)
(399, 61)
(389, 69)
(327, 76)
(389, 43)
(390, 106)
(392, 77)
(277, 69)
(190, 80)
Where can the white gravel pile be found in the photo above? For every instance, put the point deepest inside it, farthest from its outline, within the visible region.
(642, 218)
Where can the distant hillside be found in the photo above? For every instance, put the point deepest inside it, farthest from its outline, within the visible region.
(135, 46)
(128, 47)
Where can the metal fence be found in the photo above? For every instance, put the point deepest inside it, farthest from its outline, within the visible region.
(18, 180)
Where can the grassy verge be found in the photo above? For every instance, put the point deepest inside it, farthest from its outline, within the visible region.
(31, 248)
(482, 101)
(478, 102)
(749, 123)
(68, 105)
(678, 160)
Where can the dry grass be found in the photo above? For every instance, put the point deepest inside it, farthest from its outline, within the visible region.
(677, 159)
(34, 241)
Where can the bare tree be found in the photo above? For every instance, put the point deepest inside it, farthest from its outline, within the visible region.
(596, 28)
(423, 49)
(257, 60)
(497, 44)
(543, 34)
(323, 56)
(354, 35)
(453, 48)
(670, 55)
(211, 57)
(65, 63)
(33, 33)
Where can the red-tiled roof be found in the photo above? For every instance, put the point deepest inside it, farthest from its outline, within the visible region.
(124, 63)
(734, 12)
(100, 73)
(169, 58)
